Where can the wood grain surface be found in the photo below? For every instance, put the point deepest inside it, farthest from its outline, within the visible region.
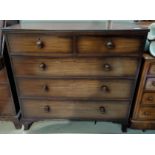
(76, 109)
(100, 89)
(33, 66)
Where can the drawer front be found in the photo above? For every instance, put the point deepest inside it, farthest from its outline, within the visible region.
(92, 44)
(100, 89)
(150, 84)
(152, 69)
(74, 66)
(39, 43)
(148, 99)
(74, 109)
(6, 105)
(147, 113)
(3, 75)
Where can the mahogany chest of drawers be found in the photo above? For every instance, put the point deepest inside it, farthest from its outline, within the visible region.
(75, 70)
(144, 111)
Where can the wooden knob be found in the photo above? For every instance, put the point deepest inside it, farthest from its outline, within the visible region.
(39, 43)
(42, 66)
(109, 45)
(104, 88)
(107, 67)
(150, 98)
(47, 108)
(102, 109)
(46, 88)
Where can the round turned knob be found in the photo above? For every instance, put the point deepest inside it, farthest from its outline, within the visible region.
(47, 108)
(42, 66)
(39, 43)
(104, 88)
(102, 109)
(46, 88)
(150, 98)
(109, 44)
(107, 67)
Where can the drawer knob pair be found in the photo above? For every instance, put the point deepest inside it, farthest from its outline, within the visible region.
(47, 108)
(105, 88)
(107, 67)
(110, 44)
(39, 44)
(102, 110)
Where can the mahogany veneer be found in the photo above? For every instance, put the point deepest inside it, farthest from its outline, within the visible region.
(78, 70)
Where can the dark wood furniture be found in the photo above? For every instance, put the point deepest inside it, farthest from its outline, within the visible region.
(144, 110)
(9, 106)
(77, 70)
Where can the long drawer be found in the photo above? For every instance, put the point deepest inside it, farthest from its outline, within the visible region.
(35, 66)
(39, 43)
(74, 109)
(6, 105)
(100, 89)
(96, 44)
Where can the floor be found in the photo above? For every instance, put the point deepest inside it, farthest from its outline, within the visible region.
(65, 126)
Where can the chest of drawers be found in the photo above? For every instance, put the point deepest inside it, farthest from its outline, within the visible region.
(75, 70)
(144, 110)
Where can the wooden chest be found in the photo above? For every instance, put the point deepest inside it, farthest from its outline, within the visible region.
(75, 70)
(144, 110)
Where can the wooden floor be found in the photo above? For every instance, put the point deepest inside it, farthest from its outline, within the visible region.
(64, 126)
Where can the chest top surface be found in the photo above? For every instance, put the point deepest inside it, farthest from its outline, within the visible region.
(77, 25)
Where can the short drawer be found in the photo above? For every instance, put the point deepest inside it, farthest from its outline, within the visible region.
(89, 89)
(74, 109)
(147, 113)
(150, 84)
(39, 43)
(148, 99)
(96, 44)
(6, 102)
(152, 69)
(34, 66)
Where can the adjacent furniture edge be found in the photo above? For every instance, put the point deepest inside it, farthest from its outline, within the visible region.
(1, 63)
(142, 125)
